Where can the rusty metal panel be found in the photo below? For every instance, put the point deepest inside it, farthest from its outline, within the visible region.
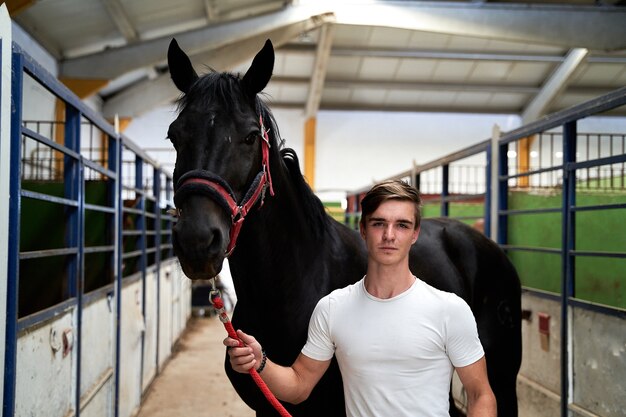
(539, 364)
(97, 353)
(132, 328)
(150, 338)
(599, 351)
(539, 378)
(45, 377)
(165, 314)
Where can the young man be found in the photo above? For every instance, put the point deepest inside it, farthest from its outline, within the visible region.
(397, 340)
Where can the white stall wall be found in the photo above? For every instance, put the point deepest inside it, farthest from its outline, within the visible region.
(41, 359)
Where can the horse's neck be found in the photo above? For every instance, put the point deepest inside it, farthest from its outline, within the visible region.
(277, 239)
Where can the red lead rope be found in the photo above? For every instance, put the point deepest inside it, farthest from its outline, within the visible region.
(217, 302)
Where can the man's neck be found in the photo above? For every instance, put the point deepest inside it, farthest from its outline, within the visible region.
(384, 282)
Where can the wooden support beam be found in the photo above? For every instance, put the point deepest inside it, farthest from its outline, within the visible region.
(523, 158)
(84, 88)
(124, 122)
(59, 137)
(16, 7)
(309, 151)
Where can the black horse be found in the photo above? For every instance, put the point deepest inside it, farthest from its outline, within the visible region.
(290, 253)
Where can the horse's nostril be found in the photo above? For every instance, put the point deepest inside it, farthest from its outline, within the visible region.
(215, 244)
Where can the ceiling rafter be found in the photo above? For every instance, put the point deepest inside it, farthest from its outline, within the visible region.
(121, 20)
(152, 52)
(591, 27)
(148, 94)
(434, 86)
(319, 71)
(472, 55)
(554, 85)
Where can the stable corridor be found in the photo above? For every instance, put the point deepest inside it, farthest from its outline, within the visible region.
(193, 383)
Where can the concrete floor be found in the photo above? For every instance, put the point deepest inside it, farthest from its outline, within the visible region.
(193, 383)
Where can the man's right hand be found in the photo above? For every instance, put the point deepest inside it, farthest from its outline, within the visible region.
(242, 359)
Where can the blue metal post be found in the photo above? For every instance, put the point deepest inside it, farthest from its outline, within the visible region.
(156, 190)
(119, 248)
(168, 198)
(503, 191)
(488, 194)
(10, 353)
(73, 180)
(140, 224)
(567, 259)
(445, 186)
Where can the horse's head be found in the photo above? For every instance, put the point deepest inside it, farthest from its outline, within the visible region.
(222, 162)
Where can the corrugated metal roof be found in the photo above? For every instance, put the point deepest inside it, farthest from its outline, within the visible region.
(472, 56)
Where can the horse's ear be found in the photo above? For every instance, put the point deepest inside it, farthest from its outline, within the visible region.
(260, 72)
(181, 70)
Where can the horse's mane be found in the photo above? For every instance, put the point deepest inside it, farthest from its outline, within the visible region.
(215, 90)
(312, 208)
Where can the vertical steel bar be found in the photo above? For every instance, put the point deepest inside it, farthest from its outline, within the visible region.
(119, 250)
(157, 258)
(567, 259)
(445, 178)
(141, 225)
(503, 188)
(488, 194)
(73, 184)
(13, 267)
(170, 223)
(70, 179)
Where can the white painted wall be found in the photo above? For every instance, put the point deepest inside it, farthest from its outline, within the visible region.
(353, 148)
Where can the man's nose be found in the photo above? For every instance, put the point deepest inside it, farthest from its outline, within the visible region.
(388, 233)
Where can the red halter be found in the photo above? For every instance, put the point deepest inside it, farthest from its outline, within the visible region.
(220, 191)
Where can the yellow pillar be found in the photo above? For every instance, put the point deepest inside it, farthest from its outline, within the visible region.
(523, 157)
(15, 7)
(309, 151)
(124, 122)
(83, 88)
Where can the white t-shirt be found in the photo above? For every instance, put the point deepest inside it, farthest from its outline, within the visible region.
(396, 355)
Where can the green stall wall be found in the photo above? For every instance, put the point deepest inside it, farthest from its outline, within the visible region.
(597, 279)
(600, 280)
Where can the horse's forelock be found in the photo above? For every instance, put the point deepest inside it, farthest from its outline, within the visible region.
(222, 90)
(215, 90)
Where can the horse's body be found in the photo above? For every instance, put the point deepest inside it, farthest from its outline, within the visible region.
(290, 253)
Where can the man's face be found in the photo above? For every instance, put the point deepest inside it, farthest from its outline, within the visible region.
(390, 231)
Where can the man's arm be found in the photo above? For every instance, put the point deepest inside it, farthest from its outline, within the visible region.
(288, 383)
(480, 399)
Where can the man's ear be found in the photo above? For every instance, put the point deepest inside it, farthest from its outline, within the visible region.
(416, 234)
(362, 229)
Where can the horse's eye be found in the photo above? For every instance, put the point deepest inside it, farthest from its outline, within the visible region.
(252, 137)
